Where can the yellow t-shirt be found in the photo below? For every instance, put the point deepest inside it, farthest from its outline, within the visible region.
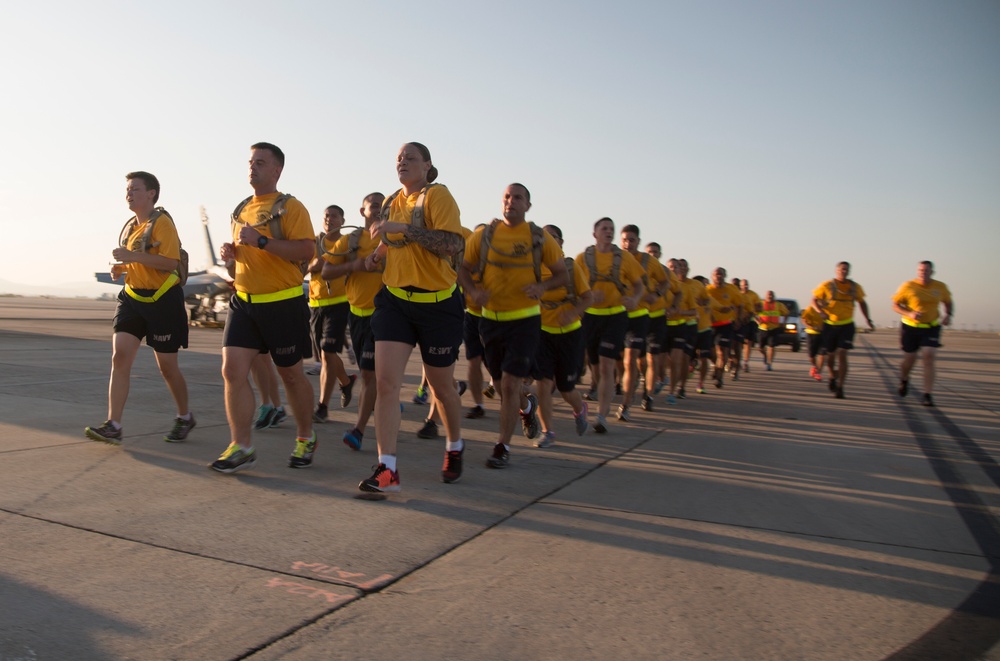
(630, 271)
(471, 305)
(360, 286)
(258, 271)
(751, 303)
(412, 265)
(657, 279)
(554, 301)
(812, 320)
(837, 300)
(770, 314)
(925, 300)
(725, 295)
(686, 299)
(138, 276)
(324, 290)
(509, 264)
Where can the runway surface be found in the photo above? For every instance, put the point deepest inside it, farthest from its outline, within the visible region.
(765, 520)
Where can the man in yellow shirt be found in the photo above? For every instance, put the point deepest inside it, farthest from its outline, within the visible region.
(269, 311)
(150, 306)
(349, 261)
(814, 334)
(748, 332)
(656, 282)
(507, 257)
(328, 310)
(771, 322)
(615, 278)
(834, 300)
(725, 314)
(919, 302)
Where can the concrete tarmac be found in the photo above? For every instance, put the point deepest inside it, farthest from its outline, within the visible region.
(765, 520)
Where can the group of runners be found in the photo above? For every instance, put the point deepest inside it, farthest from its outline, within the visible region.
(412, 276)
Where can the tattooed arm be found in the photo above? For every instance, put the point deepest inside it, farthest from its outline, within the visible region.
(437, 242)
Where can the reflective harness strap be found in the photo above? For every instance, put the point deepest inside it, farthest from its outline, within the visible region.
(362, 312)
(606, 312)
(420, 296)
(913, 324)
(171, 280)
(282, 295)
(512, 315)
(323, 302)
(562, 330)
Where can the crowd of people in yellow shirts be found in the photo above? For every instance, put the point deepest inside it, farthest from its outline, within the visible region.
(413, 276)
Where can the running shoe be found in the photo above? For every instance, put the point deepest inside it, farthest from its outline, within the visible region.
(303, 453)
(429, 430)
(814, 373)
(618, 388)
(718, 381)
(671, 399)
(263, 418)
(770, 368)
(382, 480)
(345, 391)
(581, 420)
(904, 388)
(700, 390)
(546, 440)
(476, 411)
(322, 413)
(181, 430)
(105, 433)
(278, 417)
(736, 375)
(623, 414)
(658, 387)
(839, 393)
(315, 369)
(928, 400)
(529, 421)
(235, 458)
(353, 438)
(647, 403)
(490, 391)
(681, 394)
(462, 387)
(600, 425)
(591, 395)
(500, 457)
(451, 472)
(833, 384)
(421, 396)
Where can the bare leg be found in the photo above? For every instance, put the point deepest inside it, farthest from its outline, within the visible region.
(236, 362)
(167, 362)
(125, 346)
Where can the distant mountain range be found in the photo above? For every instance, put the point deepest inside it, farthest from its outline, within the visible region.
(67, 290)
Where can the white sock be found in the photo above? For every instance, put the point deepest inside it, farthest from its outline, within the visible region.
(389, 460)
(186, 417)
(454, 446)
(114, 423)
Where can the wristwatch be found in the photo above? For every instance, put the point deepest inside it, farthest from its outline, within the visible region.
(262, 241)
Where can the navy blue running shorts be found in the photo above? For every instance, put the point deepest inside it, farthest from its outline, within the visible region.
(163, 323)
(435, 327)
(280, 328)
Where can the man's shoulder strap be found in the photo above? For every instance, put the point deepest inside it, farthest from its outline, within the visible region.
(274, 218)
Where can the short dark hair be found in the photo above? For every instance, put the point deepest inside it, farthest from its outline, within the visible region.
(928, 263)
(602, 220)
(148, 180)
(634, 229)
(274, 149)
(371, 196)
(334, 206)
(527, 193)
(554, 231)
(432, 174)
(654, 244)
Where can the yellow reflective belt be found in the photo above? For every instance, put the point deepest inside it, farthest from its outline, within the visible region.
(653, 314)
(171, 280)
(810, 331)
(282, 295)
(839, 323)
(421, 296)
(692, 322)
(513, 315)
(913, 324)
(638, 313)
(473, 312)
(323, 302)
(362, 312)
(677, 322)
(606, 312)
(560, 330)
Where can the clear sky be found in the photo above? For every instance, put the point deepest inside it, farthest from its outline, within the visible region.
(772, 138)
